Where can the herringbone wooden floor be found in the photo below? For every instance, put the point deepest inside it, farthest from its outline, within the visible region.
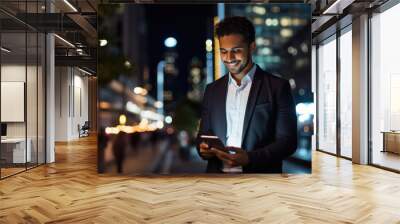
(71, 191)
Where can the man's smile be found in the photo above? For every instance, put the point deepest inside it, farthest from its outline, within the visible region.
(232, 64)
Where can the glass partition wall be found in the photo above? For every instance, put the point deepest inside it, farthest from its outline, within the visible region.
(334, 94)
(334, 109)
(22, 87)
(345, 61)
(326, 101)
(385, 89)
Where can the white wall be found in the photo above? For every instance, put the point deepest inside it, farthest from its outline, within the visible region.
(71, 102)
(360, 90)
(61, 103)
(12, 73)
(34, 125)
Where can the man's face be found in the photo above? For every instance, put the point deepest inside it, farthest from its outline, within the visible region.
(235, 52)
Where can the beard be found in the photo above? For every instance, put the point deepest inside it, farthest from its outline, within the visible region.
(234, 67)
(237, 66)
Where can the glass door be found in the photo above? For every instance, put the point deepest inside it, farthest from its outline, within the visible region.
(345, 42)
(326, 102)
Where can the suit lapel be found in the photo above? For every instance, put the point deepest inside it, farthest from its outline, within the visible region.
(221, 108)
(251, 102)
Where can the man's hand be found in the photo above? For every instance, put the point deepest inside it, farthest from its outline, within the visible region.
(205, 151)
(239, 158)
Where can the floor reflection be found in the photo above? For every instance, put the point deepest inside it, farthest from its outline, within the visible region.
(386, 159)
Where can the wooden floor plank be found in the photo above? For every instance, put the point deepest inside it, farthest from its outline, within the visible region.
(71, 191)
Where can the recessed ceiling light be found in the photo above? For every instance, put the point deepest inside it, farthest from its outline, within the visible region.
(70, 5)
(64, 40)
(5, 49)
(84, 71)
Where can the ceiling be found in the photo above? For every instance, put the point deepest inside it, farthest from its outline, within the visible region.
(76, 20)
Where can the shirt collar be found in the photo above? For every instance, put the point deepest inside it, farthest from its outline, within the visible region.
(246, 79)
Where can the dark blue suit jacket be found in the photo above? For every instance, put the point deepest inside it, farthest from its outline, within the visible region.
(270, 123)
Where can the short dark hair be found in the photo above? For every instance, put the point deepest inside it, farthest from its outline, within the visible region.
(236, 25)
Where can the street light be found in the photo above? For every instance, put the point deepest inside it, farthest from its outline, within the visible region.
(168, 119)
(103, 42)
(170, 42)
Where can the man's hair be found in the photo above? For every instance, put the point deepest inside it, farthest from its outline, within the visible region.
(236, 25)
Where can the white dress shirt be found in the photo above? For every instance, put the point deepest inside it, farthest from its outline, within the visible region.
(236, 102)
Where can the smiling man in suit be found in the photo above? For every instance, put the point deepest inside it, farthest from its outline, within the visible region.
(251, 111)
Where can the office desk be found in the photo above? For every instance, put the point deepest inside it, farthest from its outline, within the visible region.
(391, 141)
(15, 148)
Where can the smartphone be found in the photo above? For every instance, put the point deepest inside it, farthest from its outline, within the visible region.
(214, 142)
